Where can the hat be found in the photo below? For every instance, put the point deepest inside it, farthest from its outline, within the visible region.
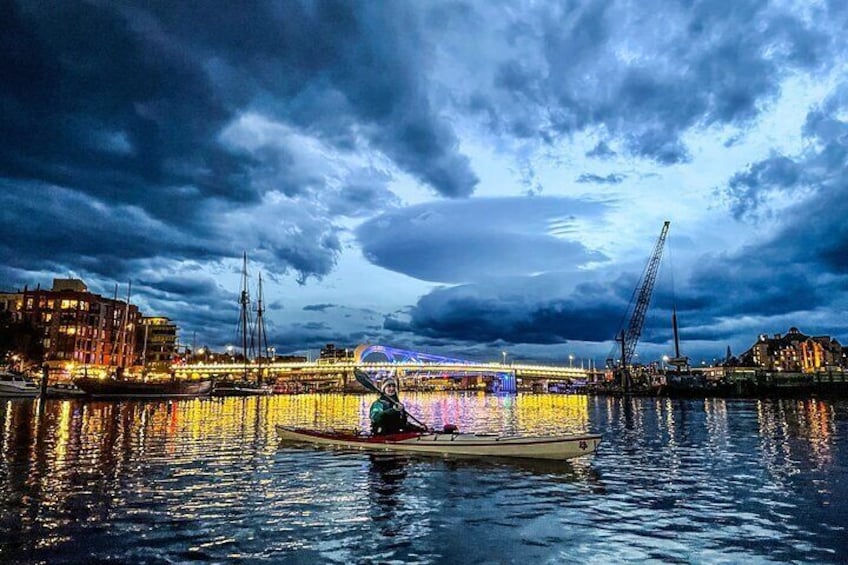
(387, 382)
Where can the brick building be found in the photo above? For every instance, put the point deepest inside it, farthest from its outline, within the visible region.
(80, 327)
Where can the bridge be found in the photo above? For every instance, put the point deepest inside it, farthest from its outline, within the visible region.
(413, 369)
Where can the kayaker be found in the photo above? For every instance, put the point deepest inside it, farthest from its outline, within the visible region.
(387, 413)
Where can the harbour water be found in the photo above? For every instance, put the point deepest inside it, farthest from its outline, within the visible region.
(678, 481)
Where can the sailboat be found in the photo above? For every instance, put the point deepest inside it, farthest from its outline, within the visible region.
(244, 386)
(117, 386)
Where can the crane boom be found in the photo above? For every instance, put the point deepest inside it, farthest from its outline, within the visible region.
(646, 287)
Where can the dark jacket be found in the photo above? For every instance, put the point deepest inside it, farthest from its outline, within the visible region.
(386, 418)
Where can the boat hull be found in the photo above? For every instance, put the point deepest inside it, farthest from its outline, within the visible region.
(17, 386)
(228, 388)
(458, 444)
(64, 391)
(17, 392)
(113, 388)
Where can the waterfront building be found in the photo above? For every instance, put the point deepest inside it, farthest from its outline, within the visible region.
(156, 342)
(12, 302)
(330, 354)
(796, 352)
(80, 328)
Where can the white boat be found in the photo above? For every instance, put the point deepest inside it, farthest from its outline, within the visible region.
(64, 390)
(14, 384)
(452, 443)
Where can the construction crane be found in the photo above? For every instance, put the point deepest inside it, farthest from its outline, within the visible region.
(642, 295)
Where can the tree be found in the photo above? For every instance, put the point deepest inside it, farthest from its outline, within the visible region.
(20, 338)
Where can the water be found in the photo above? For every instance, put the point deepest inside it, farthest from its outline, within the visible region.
(207, 481)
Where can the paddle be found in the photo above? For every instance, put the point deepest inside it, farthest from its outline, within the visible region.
(363, 379)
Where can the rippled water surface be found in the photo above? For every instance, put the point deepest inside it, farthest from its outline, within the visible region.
(208, 481)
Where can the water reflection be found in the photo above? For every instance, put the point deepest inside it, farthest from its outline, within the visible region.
(208, 480)
(386, 473)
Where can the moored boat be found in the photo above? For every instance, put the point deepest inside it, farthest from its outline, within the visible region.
(240, 388)
(452, 443)
(64, 390)
(17, 385)
(125, 388)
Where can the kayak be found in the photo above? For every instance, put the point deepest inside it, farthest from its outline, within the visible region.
(452, 443)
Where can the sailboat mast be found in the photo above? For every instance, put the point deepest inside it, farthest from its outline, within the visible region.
(122, 331)
(676, 334)
(261, 335)
(245, 303)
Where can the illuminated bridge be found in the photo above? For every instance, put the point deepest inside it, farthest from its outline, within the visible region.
(412, 368)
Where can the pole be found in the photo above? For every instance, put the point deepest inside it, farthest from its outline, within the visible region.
(45, 371)
(625, 373)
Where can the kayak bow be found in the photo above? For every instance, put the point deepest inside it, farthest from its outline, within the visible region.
(462, 444)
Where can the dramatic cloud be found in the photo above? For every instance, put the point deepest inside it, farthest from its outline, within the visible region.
(530, 310)
(481, 238)
(521, 155)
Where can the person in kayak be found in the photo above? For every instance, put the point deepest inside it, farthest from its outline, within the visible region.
(387, 413)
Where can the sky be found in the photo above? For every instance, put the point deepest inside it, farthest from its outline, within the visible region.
(458, 178)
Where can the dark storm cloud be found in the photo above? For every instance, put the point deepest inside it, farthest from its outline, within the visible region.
(147, 111)
(749, 190)
(182, 286)
(546, 309)
(318, 307)
(601, 151)
(66, 228)
(69, 229)
(124, 100)
(363, 61)
(611, 178)
(644, 74)
(91, 104)
(812, 230)
(362, 195)
(800, 269)
(463, 241)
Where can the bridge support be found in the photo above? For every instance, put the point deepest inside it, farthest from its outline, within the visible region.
(507, 382)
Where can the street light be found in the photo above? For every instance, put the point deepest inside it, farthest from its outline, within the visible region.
(504, 357)
(571, 361)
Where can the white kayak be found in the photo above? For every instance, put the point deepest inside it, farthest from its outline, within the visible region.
(463, 444)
